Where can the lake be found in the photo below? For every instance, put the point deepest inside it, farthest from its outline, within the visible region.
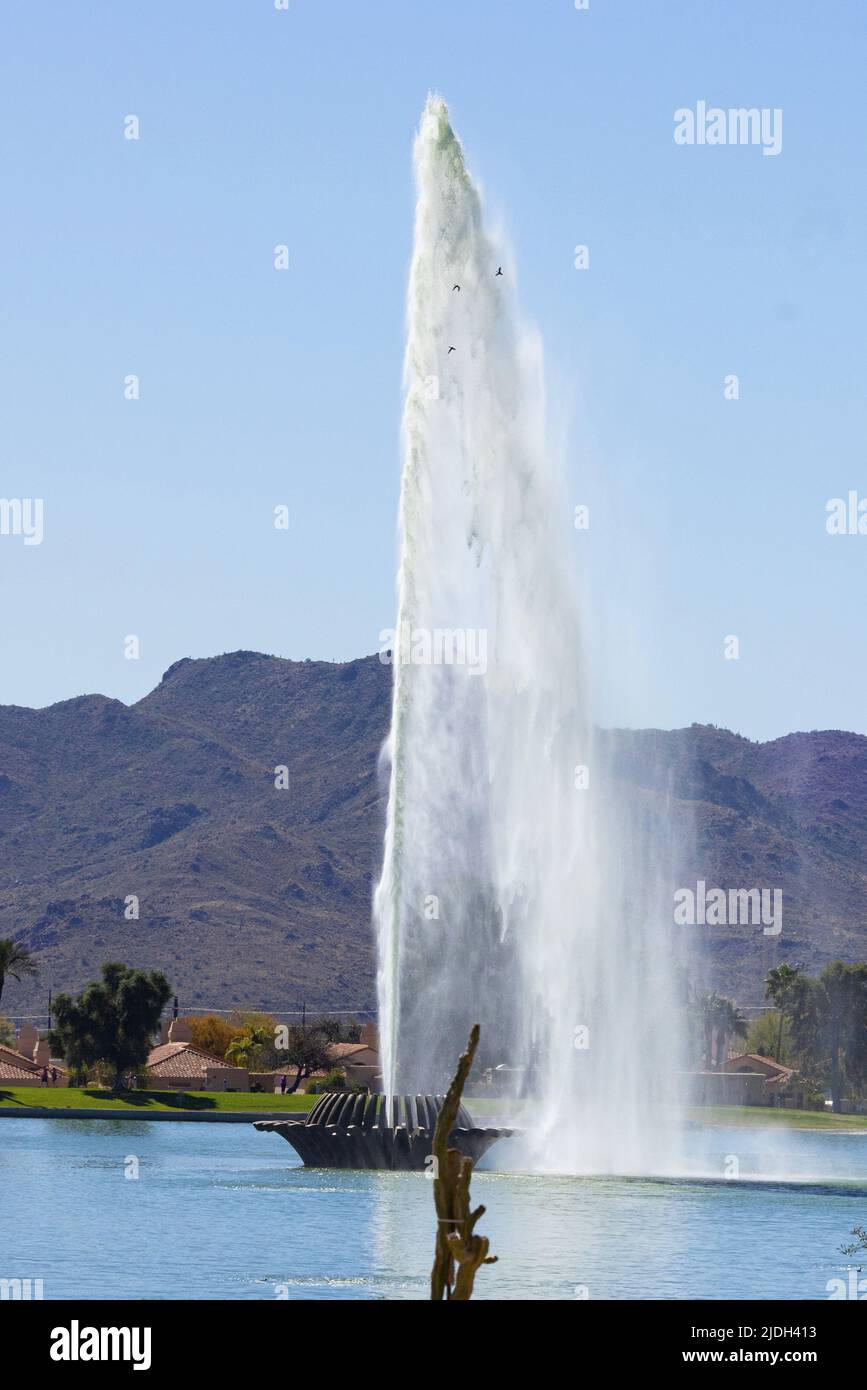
(224, 1212)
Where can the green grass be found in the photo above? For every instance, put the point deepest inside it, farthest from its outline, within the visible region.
(80, 1098)
(763, 1117)
(716, 1116)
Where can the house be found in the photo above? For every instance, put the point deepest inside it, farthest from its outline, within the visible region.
(747, 1079)
(22, 1065)
(178, 1065)
(753, 1061)
(724, 1087)
(16, 1069)
(358, 1061)
(775, 1077)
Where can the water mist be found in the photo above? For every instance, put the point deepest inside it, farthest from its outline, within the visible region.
(521, 885)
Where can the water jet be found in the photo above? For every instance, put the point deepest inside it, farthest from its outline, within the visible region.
(512, 892)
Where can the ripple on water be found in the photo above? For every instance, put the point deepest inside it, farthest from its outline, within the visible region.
(208, 1217)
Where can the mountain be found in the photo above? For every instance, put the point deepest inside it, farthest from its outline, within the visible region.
(258, 895)
(789, 814)
(248, 894)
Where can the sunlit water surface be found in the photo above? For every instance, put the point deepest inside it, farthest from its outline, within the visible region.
(222, 1211)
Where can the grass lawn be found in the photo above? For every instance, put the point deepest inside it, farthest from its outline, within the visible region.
(763, 1117)
(716, 1116)
(81, 1098)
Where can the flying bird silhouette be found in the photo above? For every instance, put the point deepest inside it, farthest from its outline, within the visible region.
(455, 287)
(499, 271)
(450, 350)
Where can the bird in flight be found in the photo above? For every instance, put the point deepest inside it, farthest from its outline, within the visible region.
(450, 350)
(499, 271)
(455, 287)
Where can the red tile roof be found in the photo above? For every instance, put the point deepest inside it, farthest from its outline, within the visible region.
(757, 1057)
(10, 1072)
(14, 1066)
(182, 1059)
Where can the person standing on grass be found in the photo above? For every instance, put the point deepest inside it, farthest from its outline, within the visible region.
(283, 1084)
(54, 1075)
(44, 1077)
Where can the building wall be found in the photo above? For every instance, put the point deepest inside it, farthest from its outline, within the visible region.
(726, 1088)
(227, 1079)
(214, 1079)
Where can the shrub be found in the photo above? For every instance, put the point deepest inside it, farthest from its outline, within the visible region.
(334, 1081)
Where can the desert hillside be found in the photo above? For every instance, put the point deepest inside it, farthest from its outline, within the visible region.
(258, 896)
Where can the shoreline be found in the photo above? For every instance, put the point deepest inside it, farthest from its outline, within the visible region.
(229, 1117)
(52, 1112)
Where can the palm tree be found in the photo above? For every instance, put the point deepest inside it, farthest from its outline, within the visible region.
(720, 1018)
(15, 960)
(246, 1046)
(730, 1024)
(779, 987)
(707, 1011)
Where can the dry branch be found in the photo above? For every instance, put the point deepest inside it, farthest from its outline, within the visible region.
(459, 1252)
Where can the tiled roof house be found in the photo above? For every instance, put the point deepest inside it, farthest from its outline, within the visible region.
(179, 1065)
(18, 1069)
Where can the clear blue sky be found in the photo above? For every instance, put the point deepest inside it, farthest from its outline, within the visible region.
(261, 387)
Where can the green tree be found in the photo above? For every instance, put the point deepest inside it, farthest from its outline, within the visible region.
(335, 1030)
(262, 1053)
(718, 1017)
(112, 1020)
(306, 1049)
(705, 1014)
(841, 1007)
(781, 984)
(252, 1049)
(15, 961)
(211, 1033)
(829, 1027)
(328, 1027)
(730, 1024)
(334, 1081)
(770, 1036)
(7, 1032)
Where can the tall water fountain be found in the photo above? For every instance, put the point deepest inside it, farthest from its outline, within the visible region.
(521, 886)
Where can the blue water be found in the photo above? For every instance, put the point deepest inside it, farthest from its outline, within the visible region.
(222, 1211)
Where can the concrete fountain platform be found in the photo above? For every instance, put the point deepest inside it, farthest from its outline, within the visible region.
(344, 1130)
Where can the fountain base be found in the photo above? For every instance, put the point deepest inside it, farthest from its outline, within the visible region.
(344, 1130)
